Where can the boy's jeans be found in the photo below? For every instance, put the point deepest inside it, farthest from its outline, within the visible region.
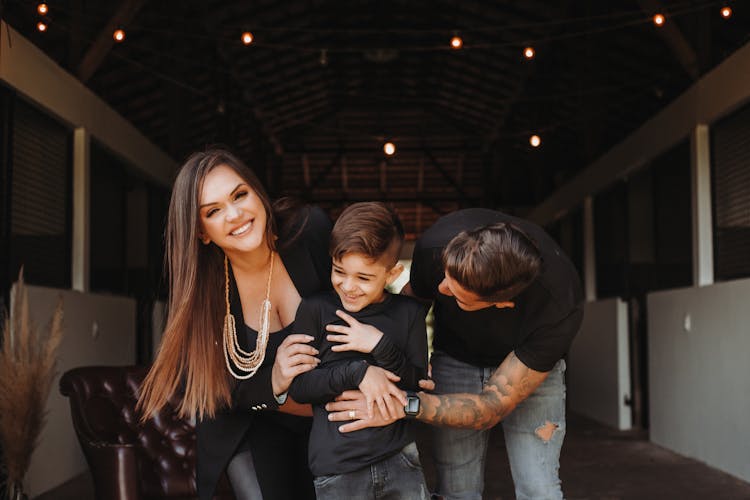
(398, 477)
(460, 453)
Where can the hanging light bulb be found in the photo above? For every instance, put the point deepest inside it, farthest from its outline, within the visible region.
(535, 141)
(323, 57)
(726, 12)
(529, 52)
(389, 148)
(247, 38)
(456, 42)
(42, 9)
(659, 19)
(119, 35)
(42, 27)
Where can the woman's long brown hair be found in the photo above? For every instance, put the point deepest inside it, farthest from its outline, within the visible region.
(191, 353)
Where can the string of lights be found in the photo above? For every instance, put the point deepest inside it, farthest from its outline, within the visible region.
(675, 8)
(192, 62)
(607, 23)
(596, 24)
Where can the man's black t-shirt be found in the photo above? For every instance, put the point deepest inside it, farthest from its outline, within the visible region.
(541, 326)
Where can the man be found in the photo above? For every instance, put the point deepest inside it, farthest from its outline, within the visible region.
(507, 305)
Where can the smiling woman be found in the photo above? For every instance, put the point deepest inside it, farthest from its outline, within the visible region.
(232, 255)
(233, 216)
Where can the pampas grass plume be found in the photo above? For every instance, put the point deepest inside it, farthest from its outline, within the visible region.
(27, 369)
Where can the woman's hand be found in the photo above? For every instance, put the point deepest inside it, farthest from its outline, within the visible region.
(355, 337)
(351, 407)
(293, 357)
(378, 388)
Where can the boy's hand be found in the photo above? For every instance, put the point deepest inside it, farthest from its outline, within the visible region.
(355, 337)
(378, 387)
(427, 384)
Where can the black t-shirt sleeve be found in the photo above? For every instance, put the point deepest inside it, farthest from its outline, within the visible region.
(548, 343)
(324, 383)
(426, 271)
(411, 365)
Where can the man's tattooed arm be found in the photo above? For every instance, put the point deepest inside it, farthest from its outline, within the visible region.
(511, 383)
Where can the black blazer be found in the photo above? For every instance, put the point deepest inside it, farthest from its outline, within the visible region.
(309, 266)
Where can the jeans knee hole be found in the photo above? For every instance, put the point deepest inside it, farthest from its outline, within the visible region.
(547, 431)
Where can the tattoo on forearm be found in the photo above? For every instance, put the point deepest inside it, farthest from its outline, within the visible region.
(511, 383)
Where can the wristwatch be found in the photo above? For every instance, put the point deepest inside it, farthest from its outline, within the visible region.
(412, 407)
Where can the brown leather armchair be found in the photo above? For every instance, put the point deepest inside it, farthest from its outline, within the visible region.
(128, 460)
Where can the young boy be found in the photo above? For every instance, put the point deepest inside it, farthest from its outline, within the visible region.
(379, 332)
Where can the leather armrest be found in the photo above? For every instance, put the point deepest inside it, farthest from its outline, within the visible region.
(116, 471)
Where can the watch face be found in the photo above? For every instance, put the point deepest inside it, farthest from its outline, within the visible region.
(412, 405)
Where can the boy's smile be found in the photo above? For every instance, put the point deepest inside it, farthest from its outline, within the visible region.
(360, 281)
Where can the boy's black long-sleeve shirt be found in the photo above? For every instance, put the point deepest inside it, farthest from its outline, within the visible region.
(402, 350)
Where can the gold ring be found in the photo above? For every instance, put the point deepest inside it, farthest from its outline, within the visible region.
(351, 413)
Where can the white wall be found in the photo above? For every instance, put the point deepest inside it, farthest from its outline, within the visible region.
(98, 330)
(598, 374)
(699, 342)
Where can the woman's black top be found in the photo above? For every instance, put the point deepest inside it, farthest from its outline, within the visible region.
(278, 441)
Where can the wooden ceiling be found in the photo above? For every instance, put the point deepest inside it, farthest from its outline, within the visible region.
(311, 101)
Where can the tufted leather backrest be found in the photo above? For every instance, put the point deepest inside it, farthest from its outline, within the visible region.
(102, 400)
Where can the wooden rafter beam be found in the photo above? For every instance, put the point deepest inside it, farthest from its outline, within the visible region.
(322, 175)
(426, 199)
(262, 122)
(446, 175)
(674, 39)
(98, 50)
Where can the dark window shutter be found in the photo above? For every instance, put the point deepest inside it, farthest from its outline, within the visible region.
(731, 196)
(40, 198)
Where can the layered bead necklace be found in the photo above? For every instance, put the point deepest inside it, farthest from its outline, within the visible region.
(246, 362)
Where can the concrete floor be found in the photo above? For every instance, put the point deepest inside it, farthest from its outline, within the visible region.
(597, 463)
(604, 464)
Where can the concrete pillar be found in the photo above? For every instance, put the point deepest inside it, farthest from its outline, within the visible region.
(589, 251)
(700, 172)
(80, 266)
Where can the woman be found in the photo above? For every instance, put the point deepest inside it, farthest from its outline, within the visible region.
(235, 261)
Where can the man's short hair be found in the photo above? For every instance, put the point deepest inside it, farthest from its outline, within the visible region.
(368, 228)
(496, 262)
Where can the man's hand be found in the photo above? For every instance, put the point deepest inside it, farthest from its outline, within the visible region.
(355, 337)
(378, 388)
(351, 407)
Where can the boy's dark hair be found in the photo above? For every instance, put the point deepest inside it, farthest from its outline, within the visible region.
(368, 228)
(496, 262)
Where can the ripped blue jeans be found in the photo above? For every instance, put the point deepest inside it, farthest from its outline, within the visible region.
(534, 434)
